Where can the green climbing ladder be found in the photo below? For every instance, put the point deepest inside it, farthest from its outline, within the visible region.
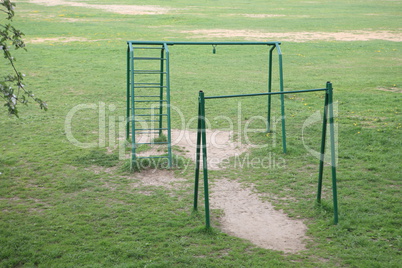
(148, 102)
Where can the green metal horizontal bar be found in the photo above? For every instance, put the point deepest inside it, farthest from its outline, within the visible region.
(147, 47)
(152, 101)
(151, 115)
(141, 129)
(146, 83)
(171, 43)
(145, 108)
(266, 93)
(148, 58)
(147, 132)
(148, 72)
(145, 157)
(150, 96)
(150, 87)
(151, 143)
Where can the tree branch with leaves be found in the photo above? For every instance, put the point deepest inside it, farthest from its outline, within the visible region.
(12, 89)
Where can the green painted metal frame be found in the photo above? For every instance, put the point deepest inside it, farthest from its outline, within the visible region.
(202, 146)
(130, 111)
(165, 44)
(328, 115)
(167, 56)
(172, 43)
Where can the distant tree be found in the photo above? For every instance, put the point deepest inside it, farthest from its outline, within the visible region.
(12, 90)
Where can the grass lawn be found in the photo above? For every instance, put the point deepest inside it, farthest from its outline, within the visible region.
(62, 205)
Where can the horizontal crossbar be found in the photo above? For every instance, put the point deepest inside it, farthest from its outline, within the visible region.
(148, 47)
(171, 43)
(152, 129)
(145, 157)
(145, 108)
(150, 115)
(136, 120)
(147, 58)
(148, 72)
(154, 132)
(266, 93)
(151, 143)
(150, 101)
(150, 87)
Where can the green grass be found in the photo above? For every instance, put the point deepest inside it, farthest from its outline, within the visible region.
(67, 206)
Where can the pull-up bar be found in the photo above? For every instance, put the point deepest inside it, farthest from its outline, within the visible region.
(172, 43)
(202, 144)
(263, 94)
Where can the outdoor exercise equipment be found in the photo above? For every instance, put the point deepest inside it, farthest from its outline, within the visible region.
(148, 92)
(202, 145)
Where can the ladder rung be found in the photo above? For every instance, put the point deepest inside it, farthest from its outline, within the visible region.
(148, 58)
(141, 129)
(147, 48)
(143, 96)
(148, 72)
(151, 143)
(146, 120)
(150, 115)
(147, 133)
(140, 108)
(146, 83)
(150, 101)
(149, 86)
(145, 157)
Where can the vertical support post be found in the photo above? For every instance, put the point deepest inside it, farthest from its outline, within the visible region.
(322, 151)
(132, 117)
(333, 156)
(202, 144)
(269, 89)
(161, 77)
(198, 156)
(169, 134)
(328, 116)
(282, 98)
(128, 93)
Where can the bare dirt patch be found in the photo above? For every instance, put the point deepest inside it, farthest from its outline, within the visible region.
(221, 145)
(390, 89)
(244, 214)
(58, 40)
(298, 36)
(62, 39)
(156, 177)
(120, 9)
(247, 217)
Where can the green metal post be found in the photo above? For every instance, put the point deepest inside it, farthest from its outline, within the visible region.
(282, 98)
(322, 152)
(169, 136)
(128, 94)
(132, 117)
(333, 156)
(269, 89)
(204, 160)
(198, 156)
(161, 92)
